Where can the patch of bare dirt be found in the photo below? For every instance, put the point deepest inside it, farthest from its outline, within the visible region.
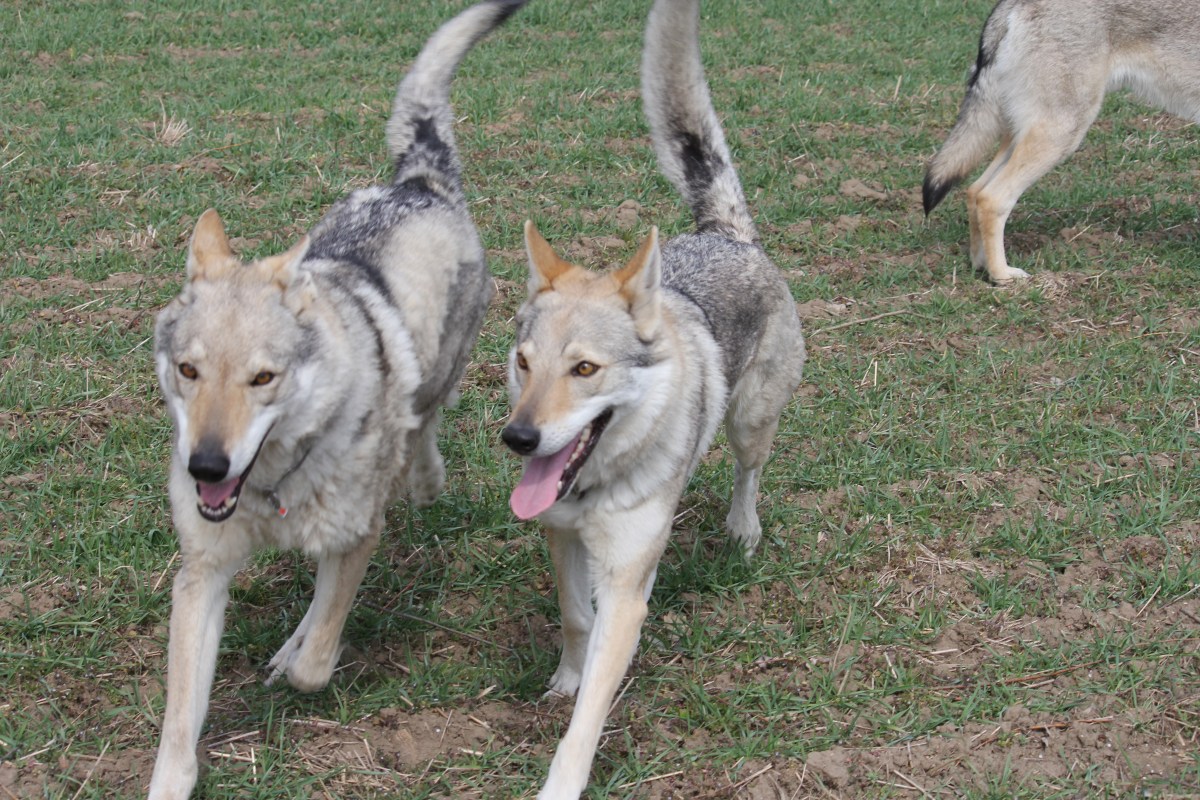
(67, 284)
(383, 754)
(1084, 747)
(36, 600)
(12, 485)
(597, 251)
(821, 310)
(128, 318)
(859, 190)
(90, 421)
(27, 779)
(394, 745)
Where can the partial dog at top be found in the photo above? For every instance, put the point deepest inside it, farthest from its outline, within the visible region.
(306, 388)
(1043, 69)
(619, 380)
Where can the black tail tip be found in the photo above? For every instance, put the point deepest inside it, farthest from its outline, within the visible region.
(932, 192)
(506, 8)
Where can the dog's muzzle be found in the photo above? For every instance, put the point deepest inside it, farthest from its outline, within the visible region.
(218, 493)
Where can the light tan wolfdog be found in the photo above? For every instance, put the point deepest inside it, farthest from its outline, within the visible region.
(619, 381)
(306, 390)
(1043, 69)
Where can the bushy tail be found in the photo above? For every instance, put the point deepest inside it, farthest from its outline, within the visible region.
(684, 127)
(420, 132)
(978, 125)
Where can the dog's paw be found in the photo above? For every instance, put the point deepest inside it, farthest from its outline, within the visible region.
(746, 530)
(1005, 276)
(423, 495)
(305, 671)
(564, 683)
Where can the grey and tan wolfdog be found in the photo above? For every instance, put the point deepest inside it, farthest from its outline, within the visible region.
(306, 388)
(1043, 69)
(619, 380)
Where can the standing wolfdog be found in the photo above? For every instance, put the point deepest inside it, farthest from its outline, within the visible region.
(619, 381)
(1043, 69)
(306, 390)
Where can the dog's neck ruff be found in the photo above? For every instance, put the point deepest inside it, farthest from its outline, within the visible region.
(271, 493)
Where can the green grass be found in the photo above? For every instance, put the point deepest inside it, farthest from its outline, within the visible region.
(980, 518)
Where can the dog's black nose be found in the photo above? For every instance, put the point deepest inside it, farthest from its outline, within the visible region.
(523, 439)
(208, 465)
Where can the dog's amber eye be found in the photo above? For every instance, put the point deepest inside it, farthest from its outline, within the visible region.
(521, 362)
(263, 378)
(585, 369)
(188, 371)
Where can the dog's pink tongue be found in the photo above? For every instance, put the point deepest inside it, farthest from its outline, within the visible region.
(214, 495)
(538, 489)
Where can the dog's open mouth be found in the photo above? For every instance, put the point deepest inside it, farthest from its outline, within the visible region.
(547, 479)
(219, 500)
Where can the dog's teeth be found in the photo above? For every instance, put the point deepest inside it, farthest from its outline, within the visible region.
(583, 440)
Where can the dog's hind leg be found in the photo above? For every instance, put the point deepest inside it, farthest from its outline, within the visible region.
(752, 419)
(199, 597)
(575, 608)
(978, 259)
(309, 657)
(1033, 152)
(751, 444)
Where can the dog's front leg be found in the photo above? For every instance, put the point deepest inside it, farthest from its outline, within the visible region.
(575, 608)
(308, 658)
(624, 557)
(199, 596)
(426, 469)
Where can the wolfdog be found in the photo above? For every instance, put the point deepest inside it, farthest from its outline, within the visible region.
(619, 380)
(306, 388)
(1043, 69)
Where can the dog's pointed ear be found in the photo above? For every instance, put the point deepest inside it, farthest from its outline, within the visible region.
(544, 264)
(284, 271)
(639, 282)
(209, 254)
(284, 267)
(300, 295)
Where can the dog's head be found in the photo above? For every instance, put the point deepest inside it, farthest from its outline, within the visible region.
(231, 351)
(587, 346)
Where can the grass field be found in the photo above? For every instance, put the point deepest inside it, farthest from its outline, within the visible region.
(979, 572)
